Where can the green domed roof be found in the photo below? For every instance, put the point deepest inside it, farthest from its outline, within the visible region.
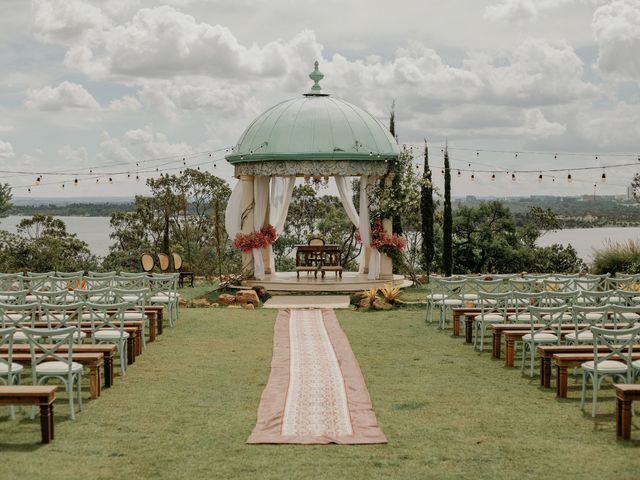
(314, 126)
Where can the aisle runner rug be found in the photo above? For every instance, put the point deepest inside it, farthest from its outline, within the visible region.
(315, 393)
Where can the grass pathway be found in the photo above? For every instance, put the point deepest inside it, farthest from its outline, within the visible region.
(188, 404)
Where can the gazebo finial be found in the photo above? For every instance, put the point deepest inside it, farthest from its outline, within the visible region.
(316, 76)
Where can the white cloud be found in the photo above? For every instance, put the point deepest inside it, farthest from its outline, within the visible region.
(124, 104)
(6, 150)
(522, 10)
(66, 21)
(75, 156)
(512, 11)
(136, 145)
(161, 42)
(617, 30)
(65, 96)
(6, 128)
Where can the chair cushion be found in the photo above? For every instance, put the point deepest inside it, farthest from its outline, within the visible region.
(130, 298)
(21, 337)
(75, 335)
(15, 368)
(134, 316)
(636, 364)
(585, 336)
(610, 366)
(492, 317)
(540, 337)
(470, 296)
(107, 334)
(58, 367)
(451, 301)
(522, 317)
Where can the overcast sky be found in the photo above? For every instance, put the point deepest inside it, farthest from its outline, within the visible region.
(102, 85)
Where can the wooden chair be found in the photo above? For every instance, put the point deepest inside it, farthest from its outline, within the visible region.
(177, 267)
(147, 262)
(164, 263)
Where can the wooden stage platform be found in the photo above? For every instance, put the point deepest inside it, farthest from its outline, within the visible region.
(350, 282)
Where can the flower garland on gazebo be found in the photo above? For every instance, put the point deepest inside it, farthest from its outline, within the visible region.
(260, 239)
(389, 245)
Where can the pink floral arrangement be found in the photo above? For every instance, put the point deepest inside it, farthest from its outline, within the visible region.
(381, 241)
(260, 239)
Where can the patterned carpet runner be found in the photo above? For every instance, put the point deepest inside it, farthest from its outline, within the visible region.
(315, 393)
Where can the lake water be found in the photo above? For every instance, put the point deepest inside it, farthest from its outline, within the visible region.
(95, 231)
(584, 240)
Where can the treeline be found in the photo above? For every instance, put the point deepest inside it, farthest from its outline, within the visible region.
(72, 210)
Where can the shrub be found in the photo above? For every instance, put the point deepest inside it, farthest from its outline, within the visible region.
(615, 257)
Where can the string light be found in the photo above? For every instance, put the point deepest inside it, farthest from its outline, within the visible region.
(75, 182)
(513, 177)
(540, 177)
(473, 177)
(569, 179)
(493, 177)
(110, 180)
(459, 173)
(604, 176)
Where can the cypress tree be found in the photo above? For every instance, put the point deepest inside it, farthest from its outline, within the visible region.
(427, 210)
(396, 221)
(447, 221)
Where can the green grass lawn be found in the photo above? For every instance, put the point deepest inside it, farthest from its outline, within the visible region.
(188, 404)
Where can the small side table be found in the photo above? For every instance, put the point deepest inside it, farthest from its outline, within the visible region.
(184, 275)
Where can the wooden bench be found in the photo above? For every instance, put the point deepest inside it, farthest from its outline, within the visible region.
(470, 314)
(565, 361)
(625, 395)
(308, 269)
(43, 396)
(331, 268)
(107, 349)
(93, 361)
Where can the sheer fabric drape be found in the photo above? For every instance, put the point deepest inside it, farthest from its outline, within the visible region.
(346, 197)
(279, 201)
(261, 204)
(233, 212)
(365, 227)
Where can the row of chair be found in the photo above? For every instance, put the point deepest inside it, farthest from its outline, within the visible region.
(448, 292)
(155, 289)
(612, 329)
(51, 331)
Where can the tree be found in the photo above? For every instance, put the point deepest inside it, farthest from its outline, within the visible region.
(427, 210)
(396, 219)
(185, 215)
(447, 220)
(42, 244)
(635, 186)
(5, 199)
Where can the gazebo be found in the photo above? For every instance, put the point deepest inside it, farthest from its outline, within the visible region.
(314, 135)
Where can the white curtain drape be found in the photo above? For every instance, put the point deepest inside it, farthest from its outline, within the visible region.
(346, 197)
(233, 212)
(365, 227)
(261, 203)
(279, 201)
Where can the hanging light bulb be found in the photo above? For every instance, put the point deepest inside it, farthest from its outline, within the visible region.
(110, 180)
(442, 171)
(184, 162)
(493, 177)
(63, 185)
(473, 177)
(516, 154)
(128, 175)
(137, 177)
(37, 180)
(596, 157)
(29, 189)
(604, 176)
(555, 156)
(459, 173)
(513, 177)
(97, 180)
(569, 179)
(75, 182)
(540, 177)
